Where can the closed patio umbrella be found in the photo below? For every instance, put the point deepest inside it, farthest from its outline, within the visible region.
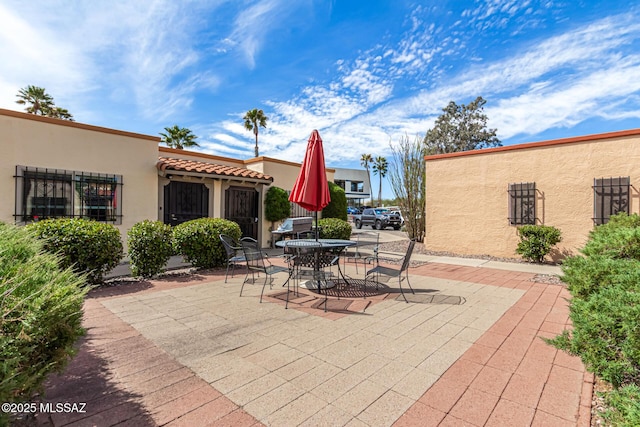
(311, 190)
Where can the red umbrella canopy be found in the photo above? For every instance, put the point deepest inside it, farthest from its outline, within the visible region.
(311, 190)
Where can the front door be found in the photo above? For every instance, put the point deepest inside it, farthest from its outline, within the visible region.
(184, 201)
(241, 206)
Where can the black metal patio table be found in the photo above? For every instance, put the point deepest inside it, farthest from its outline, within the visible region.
(336, 246)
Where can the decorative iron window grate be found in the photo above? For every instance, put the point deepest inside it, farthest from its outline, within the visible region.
(43, 193)
(522, 203)
(610, 196)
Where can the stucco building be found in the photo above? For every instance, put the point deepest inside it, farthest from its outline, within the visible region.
(59, 168)
(475, 200)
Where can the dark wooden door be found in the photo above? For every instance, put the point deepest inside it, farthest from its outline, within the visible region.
(184, 201)
(241, 206)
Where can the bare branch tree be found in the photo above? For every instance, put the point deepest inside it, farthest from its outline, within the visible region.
(407, 174)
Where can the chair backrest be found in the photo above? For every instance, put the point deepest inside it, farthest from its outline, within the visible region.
(367, 243)
(407, 257)
(253, 255)
(309, 234)
(230, 245)
(305, 256)
(249, 241)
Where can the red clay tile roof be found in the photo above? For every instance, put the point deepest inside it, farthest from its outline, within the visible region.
(171, 164)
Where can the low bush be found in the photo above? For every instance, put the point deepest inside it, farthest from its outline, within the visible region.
(41, 309)
(619, 238)
(89, 247)
(334, 228)
(198, 241)
(536, 241)
(624, 407)
(150, 247)
(604, 282)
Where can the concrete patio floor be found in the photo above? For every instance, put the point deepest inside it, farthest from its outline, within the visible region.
(189, 351)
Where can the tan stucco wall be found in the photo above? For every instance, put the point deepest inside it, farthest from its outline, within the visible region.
(467, 199)
(29, 140)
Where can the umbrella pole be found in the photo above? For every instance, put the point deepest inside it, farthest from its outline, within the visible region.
(317, 228)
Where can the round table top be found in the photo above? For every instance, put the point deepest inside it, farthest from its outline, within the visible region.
(324, 243)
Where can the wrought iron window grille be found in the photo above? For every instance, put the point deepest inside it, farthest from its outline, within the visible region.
(43, 193)
(610, 196)
(522, 203)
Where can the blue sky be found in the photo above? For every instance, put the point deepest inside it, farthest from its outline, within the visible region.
(364, 73)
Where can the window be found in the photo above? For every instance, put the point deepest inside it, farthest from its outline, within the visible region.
(340, 183)
(522, 203)
(52, 193)
(610, 196)
(357, 186)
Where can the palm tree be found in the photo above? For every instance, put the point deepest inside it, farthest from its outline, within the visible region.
(252, 120)
(365, 161)
(60, 113)
(177, 137)
(38, 101)
(380, 167)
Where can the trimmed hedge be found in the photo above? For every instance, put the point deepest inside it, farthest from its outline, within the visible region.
(150, 247)
(89, 247)
(198, 240)
(334, 228)
(41, 309)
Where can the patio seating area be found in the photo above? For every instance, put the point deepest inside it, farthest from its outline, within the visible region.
(465, 350)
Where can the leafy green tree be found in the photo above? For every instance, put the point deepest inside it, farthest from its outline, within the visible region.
(461, 128)
(365, 161)
(39, 102)
(380, 167)
(276, 205)
(337, 207)
(407, 175)
(253, 120)
(179, 138)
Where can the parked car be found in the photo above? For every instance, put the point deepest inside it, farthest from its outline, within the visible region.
(352, 211)
(378, 218)
(401, 217)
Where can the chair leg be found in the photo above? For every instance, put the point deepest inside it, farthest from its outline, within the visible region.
(409, 283)
(401, 291)
(264, 285)
(227, 273)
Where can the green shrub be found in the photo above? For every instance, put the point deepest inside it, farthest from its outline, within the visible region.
(150, 247)
(605, 311)
(536, 241)
(89, 247)
(606, 335)
(198, 241)
(588, 275)
(41, 309)
(619, 238)
(276, 204)
(334, 228)
(337, 207)
(624, 407)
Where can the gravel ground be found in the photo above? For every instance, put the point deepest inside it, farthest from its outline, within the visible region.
(401, 246)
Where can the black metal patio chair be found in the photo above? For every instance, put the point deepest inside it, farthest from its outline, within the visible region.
(234, 254)
(257, 263)
(379, 270)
